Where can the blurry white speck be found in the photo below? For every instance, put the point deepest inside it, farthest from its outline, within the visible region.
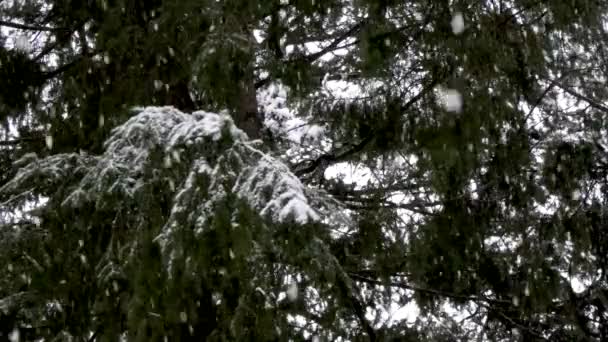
(216, 298)
(175, 155)
(171, 185)
(49, 141)
(183, 317)
(577, 285)
(101, 120)
(527, 290)
(453, 101)
(576, 195)
(315, 339)
(231, 253)
(167, 162)
(292, 292)
(22, 44)
(106, 58)
(155, 26)
(158, 84)
(457, 23)
(515, 301)
(14, 335)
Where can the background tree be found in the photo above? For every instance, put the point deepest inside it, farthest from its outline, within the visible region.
(483, 147)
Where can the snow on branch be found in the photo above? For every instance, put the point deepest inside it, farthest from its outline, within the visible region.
(48, 173)
(269, 186)
(203, 156)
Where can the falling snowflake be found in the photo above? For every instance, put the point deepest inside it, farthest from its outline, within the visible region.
(167, 162)
(49, 141)
(292, 292)
(457, 23)
(453, 100)
(22, 44)
(14, 335)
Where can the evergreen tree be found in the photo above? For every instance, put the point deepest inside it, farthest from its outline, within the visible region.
(167, 170)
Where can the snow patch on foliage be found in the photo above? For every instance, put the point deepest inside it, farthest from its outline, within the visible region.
(270, 187)
(48, 173)
(199, 158)
(283, 121)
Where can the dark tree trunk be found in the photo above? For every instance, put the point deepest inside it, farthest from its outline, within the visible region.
(246, 116)
(179, 97)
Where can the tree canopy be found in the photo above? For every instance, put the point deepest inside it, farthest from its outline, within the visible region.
(291, 170)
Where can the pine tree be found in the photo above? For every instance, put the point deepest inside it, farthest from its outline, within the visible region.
(172, 176)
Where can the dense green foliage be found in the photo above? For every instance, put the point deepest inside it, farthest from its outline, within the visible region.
(481, 206)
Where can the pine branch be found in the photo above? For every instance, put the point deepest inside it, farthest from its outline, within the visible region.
(413, 207)
(10, 142)
(345, 282)
(336, 42)
(16, 197)
(595, 104)
(30, 27)
(328, 159)
(59, 70)
(16, 141)
(439, 293)
(334, 45)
